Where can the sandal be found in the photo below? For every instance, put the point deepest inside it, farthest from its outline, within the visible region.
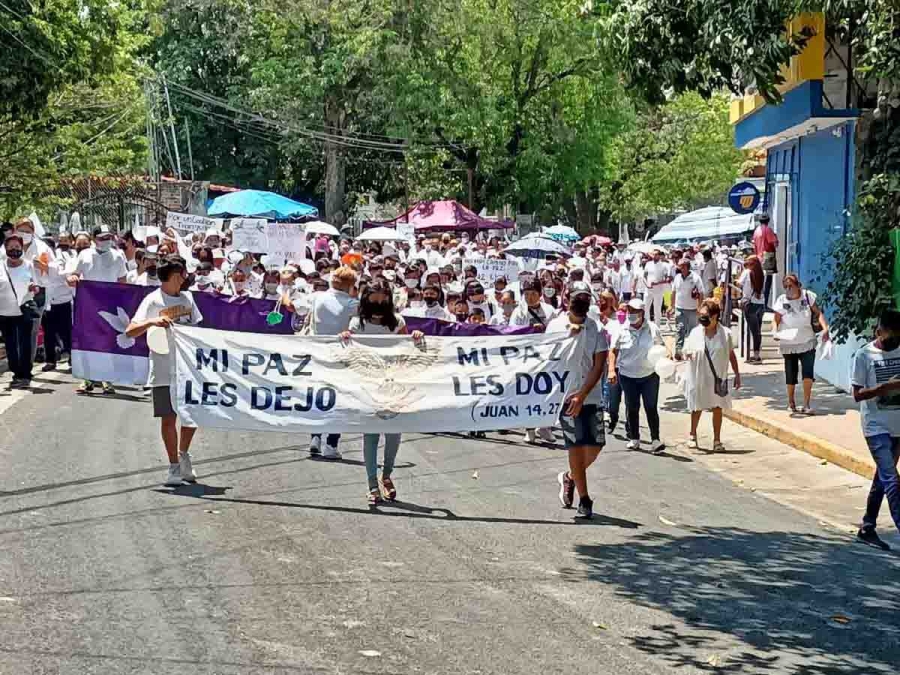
(794, 410)
(108, 388)
(388, 491)
(718, 447)
(808, 411)
(374, 496)
(693, 444)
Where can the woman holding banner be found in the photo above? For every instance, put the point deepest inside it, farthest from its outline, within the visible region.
(378, 317)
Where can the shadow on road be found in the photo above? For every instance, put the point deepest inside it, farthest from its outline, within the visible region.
(409, 510)
(827, 606)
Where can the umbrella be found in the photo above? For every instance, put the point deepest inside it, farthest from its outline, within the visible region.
(259, 204)
(318, 227)
(644, 247)
(562, 232)
(381, 234)
(536, 247)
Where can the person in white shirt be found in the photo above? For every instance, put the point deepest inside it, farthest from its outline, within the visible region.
(18, 286)
(432, 296)
(148, 268)
(102, 262)
(795, 310)
(507, 306)
(329, 314)
(710, 273)
(657, 276)
(42, 258)
(203, 279)
(688, 291)
(628, 365)
(753, 303)
(57, 320)
(160, 309)
(876, 387)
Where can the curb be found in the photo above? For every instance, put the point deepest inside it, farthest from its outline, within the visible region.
(808, 443)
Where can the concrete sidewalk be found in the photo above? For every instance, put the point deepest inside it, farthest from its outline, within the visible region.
(833, 433)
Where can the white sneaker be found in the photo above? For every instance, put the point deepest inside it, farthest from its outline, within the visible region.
(173, 478)
(546, 434)
(331, 452)
(187, 469)
(657, 446)
(315, 445)
(633, 445)
(530, 437)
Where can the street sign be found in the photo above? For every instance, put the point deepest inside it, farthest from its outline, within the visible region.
(743, 198)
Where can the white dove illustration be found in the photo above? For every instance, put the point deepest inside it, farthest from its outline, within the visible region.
(119, 323)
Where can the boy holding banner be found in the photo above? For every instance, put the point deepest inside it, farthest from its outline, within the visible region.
(165, 306)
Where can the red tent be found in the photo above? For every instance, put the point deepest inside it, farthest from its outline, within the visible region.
(447, 214)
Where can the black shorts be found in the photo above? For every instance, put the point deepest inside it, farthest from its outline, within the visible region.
(162, 402)
(586, 429)
(799, 364)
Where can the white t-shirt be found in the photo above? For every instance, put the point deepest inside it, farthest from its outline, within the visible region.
(873, 366)
(655, 274)
(95, 266)
(633, 346)
(21, 276)
(684, 287)
(796, 314)
(150, 308)
(747, 289)
(525, 316)
(595, 342)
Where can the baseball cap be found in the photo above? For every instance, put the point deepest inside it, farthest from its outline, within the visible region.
(577, 287)
(636, 304)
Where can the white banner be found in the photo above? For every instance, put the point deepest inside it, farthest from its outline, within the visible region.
(186, 222)
(372, 384)
(491, 269)
(407, 231)
(249, 235)
(286, 241)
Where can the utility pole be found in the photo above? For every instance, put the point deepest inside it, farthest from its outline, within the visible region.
(187, 132)
(172, 127)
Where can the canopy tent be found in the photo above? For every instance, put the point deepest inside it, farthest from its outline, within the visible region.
(444, 215)
(259, 204)
(562, 233)
(712, 222)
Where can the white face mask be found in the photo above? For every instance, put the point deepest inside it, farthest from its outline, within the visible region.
(417, 304)
(597, 287)
(271, 288)
(104, 246)
(27, 237)
(634, 319)
(411, 283)
(549, 292)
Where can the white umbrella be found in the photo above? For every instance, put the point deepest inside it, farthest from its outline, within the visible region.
(318, 227)
(644, 247)
(562, 232)
(536, 247)
(381, 234)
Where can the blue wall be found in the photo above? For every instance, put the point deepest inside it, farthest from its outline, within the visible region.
(821, 171)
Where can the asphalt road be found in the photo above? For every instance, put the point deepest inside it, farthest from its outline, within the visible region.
(274, 563)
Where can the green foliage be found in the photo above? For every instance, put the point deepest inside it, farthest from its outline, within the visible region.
(678, 155)
(858, 265)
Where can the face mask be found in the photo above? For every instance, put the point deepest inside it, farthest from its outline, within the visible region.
(634, 319)
(580, 306)
(704, 320)
(271, 288)
(79, 249)
(508, 309)
(428, 247)
(620, 317)
(104, 246)
(597, 287)
(431, 302)
(15, 254)
(151, 272)
(411, 283)
(549, 292)
(461, 316)
(417, 304)
(889, 344)
(477, 299)
(27, 237)
(64, 247)
(202, 281)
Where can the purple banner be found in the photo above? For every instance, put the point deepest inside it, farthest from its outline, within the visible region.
(103, 311)
(452, 329)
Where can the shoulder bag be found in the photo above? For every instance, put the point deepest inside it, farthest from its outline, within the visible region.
(28, 308)
(721, 386)
(814, 321)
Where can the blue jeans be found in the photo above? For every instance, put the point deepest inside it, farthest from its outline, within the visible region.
(685, 321)
(885, 451)
(370, 454)
(612, 394)
(637, 389)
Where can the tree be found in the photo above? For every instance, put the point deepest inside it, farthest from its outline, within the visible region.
(678, 155)
(52, 44)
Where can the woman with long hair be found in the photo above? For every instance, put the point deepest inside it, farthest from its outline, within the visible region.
(377, 316)
(753, 303)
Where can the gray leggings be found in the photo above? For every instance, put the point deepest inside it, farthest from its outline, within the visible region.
(370, 454)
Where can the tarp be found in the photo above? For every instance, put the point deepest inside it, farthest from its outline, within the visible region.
(260, 204)
(447, 214)
(710, 223)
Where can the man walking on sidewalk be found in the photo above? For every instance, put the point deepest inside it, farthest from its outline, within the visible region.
(876, 385)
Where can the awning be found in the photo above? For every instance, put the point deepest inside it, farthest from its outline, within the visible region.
(712, 222)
